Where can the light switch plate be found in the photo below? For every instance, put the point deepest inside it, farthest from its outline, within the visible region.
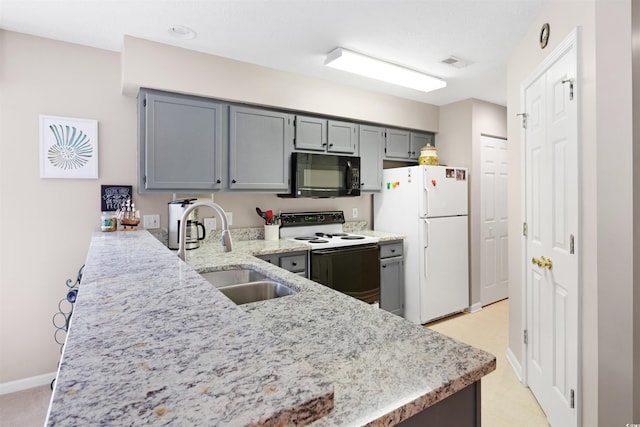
(354, 213)
(229, 218)
(151, 221)
(209, 225)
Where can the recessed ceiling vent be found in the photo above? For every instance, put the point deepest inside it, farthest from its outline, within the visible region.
(456, 62)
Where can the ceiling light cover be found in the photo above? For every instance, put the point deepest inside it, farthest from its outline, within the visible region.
(182, 32)
(367, 66)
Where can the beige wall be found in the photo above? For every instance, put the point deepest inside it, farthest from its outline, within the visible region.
(606, 198)
(156, 65)
(47, 223)
(462, 125)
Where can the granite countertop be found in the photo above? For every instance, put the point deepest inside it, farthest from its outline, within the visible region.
(151, 341)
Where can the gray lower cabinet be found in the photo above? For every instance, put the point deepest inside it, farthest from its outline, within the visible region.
(296, 262)
(179, 142)
(325, 136)
(392, 277)
(461, 409)
(260, 143)
(371, 153)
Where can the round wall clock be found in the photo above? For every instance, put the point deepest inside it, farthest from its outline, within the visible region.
(544, 35)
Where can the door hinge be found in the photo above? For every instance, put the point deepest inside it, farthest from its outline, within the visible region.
(525, 229)
(525, 337)
(144, 102)
(524, 119)
(572, 403)
(570, 81)
(572, 245)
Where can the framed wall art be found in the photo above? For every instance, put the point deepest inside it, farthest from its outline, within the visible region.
(68, 148)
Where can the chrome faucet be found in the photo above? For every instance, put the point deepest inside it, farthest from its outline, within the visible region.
(226, 235)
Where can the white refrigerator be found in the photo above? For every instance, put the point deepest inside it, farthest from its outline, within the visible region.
(428, 204)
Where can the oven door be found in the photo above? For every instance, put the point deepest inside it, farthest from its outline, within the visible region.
(354, 270)
(324, 175)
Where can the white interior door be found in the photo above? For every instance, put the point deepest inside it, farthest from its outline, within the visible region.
(551, 188)
(493, 220)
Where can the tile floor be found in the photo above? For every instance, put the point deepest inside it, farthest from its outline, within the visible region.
(505, 401)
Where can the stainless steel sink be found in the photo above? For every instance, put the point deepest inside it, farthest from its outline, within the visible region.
(245, 285)
(245, 293)
(233, 277)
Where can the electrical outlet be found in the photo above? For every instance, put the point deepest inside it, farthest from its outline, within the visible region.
(151, 221)
(210, 225)
(354, 213)
(229, 218)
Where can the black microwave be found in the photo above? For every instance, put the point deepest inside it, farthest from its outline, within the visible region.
(324, 175)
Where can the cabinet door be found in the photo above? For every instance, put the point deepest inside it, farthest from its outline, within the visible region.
(392, 285)
(180, 142)
(310, 133)
(371, 152)
(342, 137)
(397, 144)
(259, 149)
(419, 140)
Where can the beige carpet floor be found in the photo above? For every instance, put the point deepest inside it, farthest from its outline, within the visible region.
(505, 401)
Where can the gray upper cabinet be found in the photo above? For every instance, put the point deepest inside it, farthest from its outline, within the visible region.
(311, 133)
(179, 143)
(260, 143)
(405, 145)
(325, 136)
(342, 137)
(397, 144)
(371, 153)
(419, 140)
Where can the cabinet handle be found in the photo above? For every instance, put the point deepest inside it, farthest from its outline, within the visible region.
(218, 181)
(384, 266)
(393, 251)
(233, 181)
(294, 263)
(324, 144)
(330, 145)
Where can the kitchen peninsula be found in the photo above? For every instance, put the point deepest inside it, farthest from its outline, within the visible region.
(151, 341)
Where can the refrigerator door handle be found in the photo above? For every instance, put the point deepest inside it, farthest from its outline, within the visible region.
(425, 260)
(425, 198)
(426, 233)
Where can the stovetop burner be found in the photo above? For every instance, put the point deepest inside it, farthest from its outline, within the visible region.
(331, 235)
(320, 230)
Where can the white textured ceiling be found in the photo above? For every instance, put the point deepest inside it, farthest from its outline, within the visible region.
(296, 35)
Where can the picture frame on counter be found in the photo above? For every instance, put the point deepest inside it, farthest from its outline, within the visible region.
(113, 196)
(68, 147)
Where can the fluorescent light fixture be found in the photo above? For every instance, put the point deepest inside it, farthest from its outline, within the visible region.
(367, 66)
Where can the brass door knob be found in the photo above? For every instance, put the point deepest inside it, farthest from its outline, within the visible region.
(542, 262)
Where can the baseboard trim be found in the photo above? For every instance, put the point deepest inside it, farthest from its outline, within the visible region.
(515, 365)
(26, 383)
(474, 308)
